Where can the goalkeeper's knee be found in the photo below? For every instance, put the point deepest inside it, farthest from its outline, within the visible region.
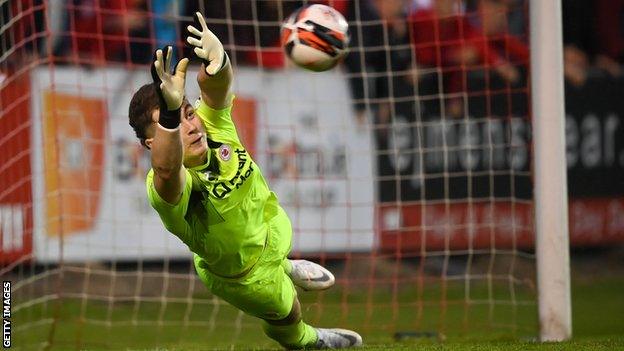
(291, 332)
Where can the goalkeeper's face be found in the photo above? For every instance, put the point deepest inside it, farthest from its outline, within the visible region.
(192, 133)
(193, 137)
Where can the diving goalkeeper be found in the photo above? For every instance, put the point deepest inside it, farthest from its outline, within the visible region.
(210, 193)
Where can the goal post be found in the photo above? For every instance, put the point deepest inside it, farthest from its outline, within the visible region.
(551, 191)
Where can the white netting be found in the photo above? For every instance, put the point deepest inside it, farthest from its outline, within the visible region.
(406, 171)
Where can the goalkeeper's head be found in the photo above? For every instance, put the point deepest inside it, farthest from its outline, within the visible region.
(143, 116)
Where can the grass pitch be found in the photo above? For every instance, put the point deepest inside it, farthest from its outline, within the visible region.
(434, 324)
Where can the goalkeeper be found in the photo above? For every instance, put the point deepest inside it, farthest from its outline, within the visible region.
(210, 193)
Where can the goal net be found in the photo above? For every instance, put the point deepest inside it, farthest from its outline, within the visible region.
(406, 171)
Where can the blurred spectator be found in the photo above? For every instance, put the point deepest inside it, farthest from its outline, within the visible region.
(578, 25)
(107, 31)
(503, 93)
(166, 14)
(380, 57)
(593, 38)
(517, 14)
(22, 31)
(579, 44)
(445, 37)
(254, 32)
(505, 50)
(437, 36)
(264, 39)
(609, 33)
(575, 65)
(436, 31)
(215, 12)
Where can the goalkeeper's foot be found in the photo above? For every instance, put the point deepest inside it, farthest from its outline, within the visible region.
(310, 276)
(337, 338)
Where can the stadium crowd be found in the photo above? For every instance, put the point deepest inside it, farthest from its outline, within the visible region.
(399, 48)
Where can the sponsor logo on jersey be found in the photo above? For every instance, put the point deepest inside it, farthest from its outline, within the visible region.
(221, 189)
(225, 152)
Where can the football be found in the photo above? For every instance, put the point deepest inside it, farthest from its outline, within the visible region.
(315, 37)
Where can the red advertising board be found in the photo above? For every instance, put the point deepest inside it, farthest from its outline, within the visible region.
(16, 215)
(502, 225)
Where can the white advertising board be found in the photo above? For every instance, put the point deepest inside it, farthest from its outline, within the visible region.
(89, 170)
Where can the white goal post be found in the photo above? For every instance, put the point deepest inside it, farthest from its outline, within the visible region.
(551, 197)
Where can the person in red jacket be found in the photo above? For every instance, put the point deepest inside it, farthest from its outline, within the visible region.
(109, 30)
(444, 37)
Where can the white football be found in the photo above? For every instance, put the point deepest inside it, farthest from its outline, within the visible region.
(315, 37)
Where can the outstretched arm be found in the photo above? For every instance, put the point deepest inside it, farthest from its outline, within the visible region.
(167, 152)
(215, 75)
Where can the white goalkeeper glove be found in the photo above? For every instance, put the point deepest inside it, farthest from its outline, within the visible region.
(170, 86)
(207, 46)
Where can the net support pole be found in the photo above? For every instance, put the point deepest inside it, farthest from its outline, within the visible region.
(551, 197)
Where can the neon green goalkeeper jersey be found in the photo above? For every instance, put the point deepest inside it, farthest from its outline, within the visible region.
(222, 216)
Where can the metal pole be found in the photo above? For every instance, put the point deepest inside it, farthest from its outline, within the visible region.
(551, 196)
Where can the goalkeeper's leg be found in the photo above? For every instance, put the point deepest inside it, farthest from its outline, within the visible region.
(267, 292)
(292, 333)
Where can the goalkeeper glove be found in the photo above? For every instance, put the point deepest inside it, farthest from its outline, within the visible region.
(207, 46)
(169, 86)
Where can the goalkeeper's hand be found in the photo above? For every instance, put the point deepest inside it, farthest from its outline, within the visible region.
(206, 46)
(170, 86)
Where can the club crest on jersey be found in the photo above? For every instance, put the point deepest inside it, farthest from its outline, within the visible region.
(225, 152)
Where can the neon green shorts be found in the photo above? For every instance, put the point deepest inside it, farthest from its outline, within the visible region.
(266, 291)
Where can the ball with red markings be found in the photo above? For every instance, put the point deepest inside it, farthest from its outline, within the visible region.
(315, 37)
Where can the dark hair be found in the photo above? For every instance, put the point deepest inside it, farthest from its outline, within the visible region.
(143, 103)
